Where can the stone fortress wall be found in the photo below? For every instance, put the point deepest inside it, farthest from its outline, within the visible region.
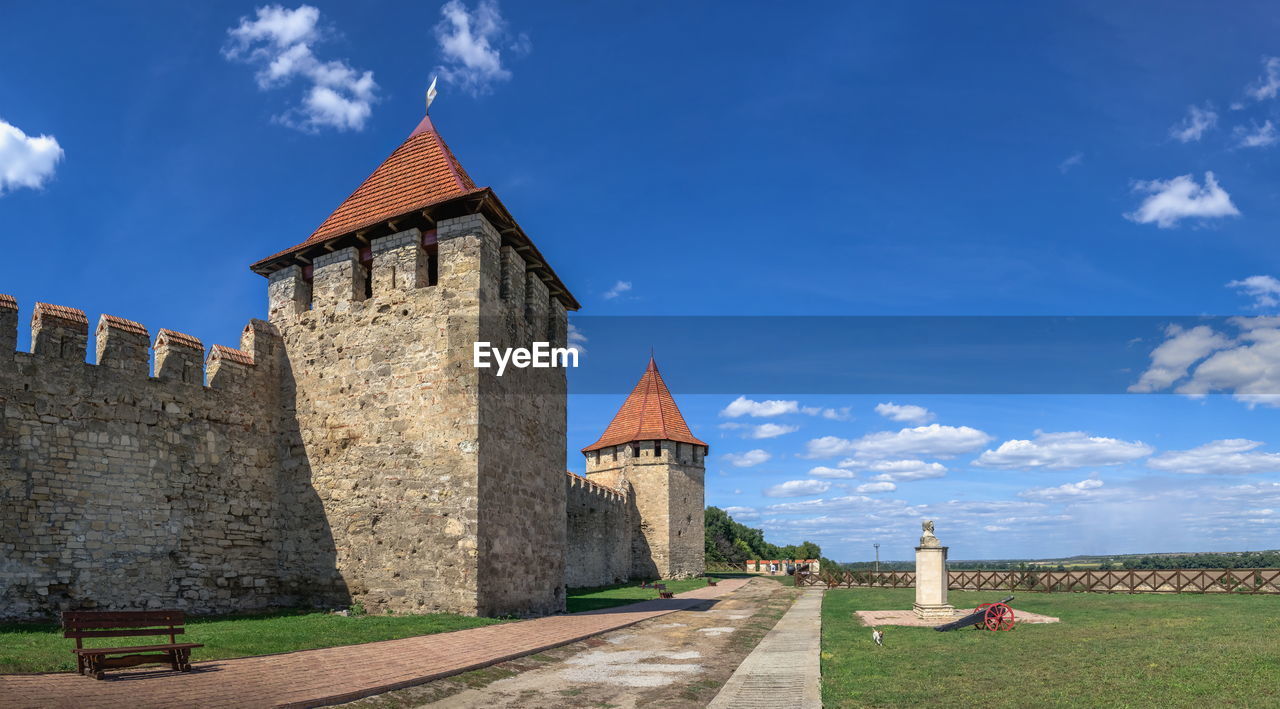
(599, 534)
(122, 490)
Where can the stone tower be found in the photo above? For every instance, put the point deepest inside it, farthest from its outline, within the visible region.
(648, 452)
(442, 485)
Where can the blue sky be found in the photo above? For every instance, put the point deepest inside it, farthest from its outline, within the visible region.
(863, 159)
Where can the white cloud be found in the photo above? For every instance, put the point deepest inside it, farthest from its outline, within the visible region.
(618, 289)
(1171, 359)
(1259, 137)
(1265, 290)
(742, 513)
(1152, 513)
(841, 414)
(279, 42)
(906, 413)
(1063, 451)
(823, 471)
(469, 42)
(1195, 124)
(771, 430)
(989, 508)
(934, 440)
(742, 406)
(26, 161)
(577, 340)
(1073, 160)
(748, 459)
(851, 504)
(1169, 201)
(1247, 366)
(875, 487)
(798, 488)
(1232, 456)
(1063, 492)
(901, 471)
(898, 470)
(1267, 85)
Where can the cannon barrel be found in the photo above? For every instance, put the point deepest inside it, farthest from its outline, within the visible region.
(973, 618)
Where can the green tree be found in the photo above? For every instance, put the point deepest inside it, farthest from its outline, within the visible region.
(730, 541)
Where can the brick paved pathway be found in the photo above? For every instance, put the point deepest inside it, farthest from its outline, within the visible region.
(784, 670)
(320, 677)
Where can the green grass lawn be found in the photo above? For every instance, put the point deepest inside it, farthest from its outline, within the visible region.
(590, 599)
(27, 647)
(1140, 650)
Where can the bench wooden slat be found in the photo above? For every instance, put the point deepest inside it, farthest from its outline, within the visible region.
(90, 625)
(135, 648)
(121, 633)
(143, 617)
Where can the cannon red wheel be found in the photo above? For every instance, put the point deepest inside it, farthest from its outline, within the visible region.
(998, 616)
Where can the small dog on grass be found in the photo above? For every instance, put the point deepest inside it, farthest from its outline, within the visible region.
(878, 636)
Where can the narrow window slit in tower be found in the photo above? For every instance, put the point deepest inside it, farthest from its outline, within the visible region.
(366, 267)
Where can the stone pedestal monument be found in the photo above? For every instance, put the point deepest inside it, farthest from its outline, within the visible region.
(931, 578)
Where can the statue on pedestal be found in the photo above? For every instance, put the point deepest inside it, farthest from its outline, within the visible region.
(927, 539)
(931, 577)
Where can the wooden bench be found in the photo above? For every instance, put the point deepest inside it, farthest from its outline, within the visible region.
(662, 591)
(94, 661)
(711, 582)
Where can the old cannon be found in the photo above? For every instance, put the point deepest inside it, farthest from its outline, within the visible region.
(991, 616)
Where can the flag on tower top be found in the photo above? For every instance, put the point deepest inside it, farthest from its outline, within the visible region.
(431, 93)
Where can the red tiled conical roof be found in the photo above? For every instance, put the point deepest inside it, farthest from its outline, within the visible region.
(649, 414)
(420, 173)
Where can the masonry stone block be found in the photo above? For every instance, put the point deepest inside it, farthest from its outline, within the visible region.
(338, 280)
(399, 262)
(8, 330)
(123, 345)
(179, 357)
(59, 332)
(288, 293)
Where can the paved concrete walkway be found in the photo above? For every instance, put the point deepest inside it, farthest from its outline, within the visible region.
(312, 678)
(783, 671)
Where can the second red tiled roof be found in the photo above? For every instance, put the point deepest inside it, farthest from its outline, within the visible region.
(649, 414)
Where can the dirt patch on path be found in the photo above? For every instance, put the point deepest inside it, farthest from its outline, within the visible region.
(678, 660)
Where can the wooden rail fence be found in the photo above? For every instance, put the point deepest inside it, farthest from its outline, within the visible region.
(1119, 581)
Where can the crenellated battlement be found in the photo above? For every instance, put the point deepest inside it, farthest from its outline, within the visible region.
(465, 257)
(606, 494)
(60, 333)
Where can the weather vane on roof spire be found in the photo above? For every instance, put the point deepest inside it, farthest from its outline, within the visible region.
(431, 93)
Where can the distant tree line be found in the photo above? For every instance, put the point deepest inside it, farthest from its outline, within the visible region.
(1227, 560)
(731, 542)
(1233, 560)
